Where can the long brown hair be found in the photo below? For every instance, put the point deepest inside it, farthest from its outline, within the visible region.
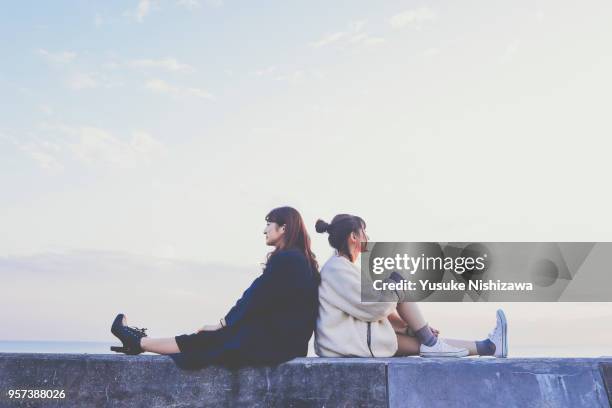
(295, 235)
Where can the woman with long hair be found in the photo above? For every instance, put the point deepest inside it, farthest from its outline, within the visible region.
(273, 320)
(348, 327)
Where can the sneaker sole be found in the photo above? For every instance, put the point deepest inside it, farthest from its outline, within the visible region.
(456, 354)
(502, 316)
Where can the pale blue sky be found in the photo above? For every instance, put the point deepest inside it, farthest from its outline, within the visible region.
(165, 130)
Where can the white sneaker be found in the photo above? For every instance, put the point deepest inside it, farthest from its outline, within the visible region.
(442, 349)
(499, 335)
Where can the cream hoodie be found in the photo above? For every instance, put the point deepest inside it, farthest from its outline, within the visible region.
(342, 325)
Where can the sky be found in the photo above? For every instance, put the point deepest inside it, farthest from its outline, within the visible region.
(143, 142)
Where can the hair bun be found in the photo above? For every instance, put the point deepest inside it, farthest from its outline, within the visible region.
(321, 226)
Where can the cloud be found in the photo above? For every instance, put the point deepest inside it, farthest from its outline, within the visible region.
(90, 80)
(167, 64)
(354, 35)
(44, 154)
(60, 58)
(194, 4)
(82, 80)
(97, 145)
(144, 144)
(366, 39)
(74, 79)
(189, 4)
(412, 17)
(329, 39)
(295, 75)
(90, 145)
(161, 86)
(143, 8)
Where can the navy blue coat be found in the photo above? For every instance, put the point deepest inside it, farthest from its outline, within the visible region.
(272, 322)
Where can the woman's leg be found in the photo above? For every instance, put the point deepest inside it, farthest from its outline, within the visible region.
(496, 343)
(411, 314)
(160, 346)
(407, 346)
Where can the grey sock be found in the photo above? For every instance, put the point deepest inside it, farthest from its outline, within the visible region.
(426, 336)
(485, 348)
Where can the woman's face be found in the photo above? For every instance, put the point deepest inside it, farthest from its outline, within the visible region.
(273, 233)
(358, 241)
(363, 239)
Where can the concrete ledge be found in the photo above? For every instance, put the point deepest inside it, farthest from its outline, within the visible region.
(606, 372)
(497, 382)
(155, 381)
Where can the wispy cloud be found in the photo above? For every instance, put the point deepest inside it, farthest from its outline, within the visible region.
(44, 154)
(89, 80)
(167, 64)
(214, 3)
(94, 145)
(329, 39)
(355, 34)
(189, 4)
(413, 17)
(143, 8)
(81, 80)
(293, 75)
(194, 4)
(161, 86)
(90, 145)
(60, 58)
(74, 77)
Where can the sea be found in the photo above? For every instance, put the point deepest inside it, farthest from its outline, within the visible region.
(92, 347)
(63, 347)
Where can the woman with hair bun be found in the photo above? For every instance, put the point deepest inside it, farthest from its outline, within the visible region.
(347, 327)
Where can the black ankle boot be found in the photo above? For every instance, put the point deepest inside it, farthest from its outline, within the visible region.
(129, 336)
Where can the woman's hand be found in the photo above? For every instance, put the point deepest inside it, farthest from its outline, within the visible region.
(209, 327)
(398, 324)
(436, 332)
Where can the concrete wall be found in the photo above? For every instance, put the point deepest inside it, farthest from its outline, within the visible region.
(155, 381)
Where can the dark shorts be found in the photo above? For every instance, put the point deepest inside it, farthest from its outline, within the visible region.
(199, 342)
(205, 348)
